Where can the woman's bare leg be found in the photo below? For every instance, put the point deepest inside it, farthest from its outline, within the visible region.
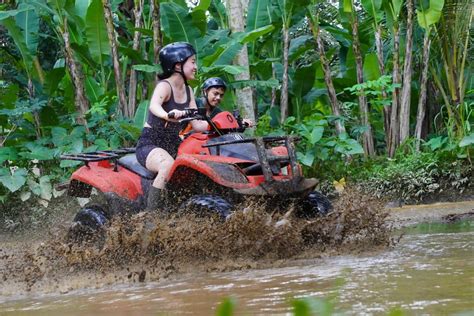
(159, 160)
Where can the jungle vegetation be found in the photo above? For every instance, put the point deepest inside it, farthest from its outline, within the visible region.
(380, 91)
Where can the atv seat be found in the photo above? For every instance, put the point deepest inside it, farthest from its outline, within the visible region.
(131, 163)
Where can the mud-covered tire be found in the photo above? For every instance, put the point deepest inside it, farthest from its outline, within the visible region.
(313, 205)
(92, 216)
(207, 205)
(88, 223)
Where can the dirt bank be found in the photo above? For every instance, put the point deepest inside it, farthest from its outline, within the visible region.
(408, 215)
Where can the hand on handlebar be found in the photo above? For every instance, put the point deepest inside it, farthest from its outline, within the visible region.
(176, 114)
(248, 123)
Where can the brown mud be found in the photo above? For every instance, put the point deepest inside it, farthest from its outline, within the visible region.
(149, 247)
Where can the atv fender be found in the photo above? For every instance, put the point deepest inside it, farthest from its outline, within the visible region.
(222, 172)
(122, 182)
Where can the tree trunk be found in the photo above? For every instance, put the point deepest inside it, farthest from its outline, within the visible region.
(75, 71)
(245, 95)
(113, 47)
(336, 109)
(284, 83)
(274, 91)
(36, 117)
(407, 72)
(386, 108)
(368, 139)
(157, 38)
(423, 87)
(394, 133)
(132, 88)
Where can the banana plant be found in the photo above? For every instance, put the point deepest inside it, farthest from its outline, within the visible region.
(287, 9)
(392, 10)
(375, 10)
(368, 138)
(453, 73)
(22, 25)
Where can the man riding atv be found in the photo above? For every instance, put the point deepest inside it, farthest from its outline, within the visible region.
(213, 90)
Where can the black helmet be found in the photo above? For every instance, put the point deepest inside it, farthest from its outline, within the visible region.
(175, 53)
(214, 82)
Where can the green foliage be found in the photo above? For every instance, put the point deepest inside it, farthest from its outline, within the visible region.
(13, 180)
(318, 146)
(38, 113)
(226, 307)
(416, 176)
(430, 15)
(312, 306)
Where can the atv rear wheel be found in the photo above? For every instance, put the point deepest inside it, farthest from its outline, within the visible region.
(92, 216)
(314, 204)
(90, 220)
(207, 205)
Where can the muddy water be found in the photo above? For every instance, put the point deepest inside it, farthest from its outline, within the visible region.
(430, 271)
(178, 264)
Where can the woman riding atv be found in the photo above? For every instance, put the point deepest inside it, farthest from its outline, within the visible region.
(158, 144)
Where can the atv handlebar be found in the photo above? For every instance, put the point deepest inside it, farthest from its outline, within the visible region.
(200, 114)
(190, 114)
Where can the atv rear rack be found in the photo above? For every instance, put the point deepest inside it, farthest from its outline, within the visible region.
(267, 160)
(99, 155)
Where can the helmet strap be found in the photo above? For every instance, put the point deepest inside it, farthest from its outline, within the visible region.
(181, 72)
(204, 92)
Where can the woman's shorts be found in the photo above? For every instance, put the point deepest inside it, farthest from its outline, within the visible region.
(159, 138)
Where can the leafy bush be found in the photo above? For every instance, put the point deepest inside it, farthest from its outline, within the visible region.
(415, 177)
(317, 146)
(29, 165)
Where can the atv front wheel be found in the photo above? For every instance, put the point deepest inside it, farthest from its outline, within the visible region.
(314, 204)
(207, 205)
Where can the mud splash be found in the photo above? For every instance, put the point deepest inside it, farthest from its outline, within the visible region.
(148, 247)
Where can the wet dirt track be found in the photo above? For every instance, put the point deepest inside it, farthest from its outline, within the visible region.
(147, 247)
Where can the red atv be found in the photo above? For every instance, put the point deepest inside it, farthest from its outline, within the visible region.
(218, 168)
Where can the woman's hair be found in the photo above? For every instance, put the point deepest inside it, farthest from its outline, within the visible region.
(164, 75)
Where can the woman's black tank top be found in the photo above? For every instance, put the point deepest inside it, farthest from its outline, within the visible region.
(159, 123)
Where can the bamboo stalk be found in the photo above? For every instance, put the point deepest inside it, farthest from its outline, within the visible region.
(423, 86)
(386, 108)
(284, 83)
(75, 71)
(113, 47)
(394, 134)
(407, 73)
(336, 109)
(368, 139)
(132, 87)
(157, 37)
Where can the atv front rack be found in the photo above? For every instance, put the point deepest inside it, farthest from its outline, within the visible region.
(99, 155)
(268, 161)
